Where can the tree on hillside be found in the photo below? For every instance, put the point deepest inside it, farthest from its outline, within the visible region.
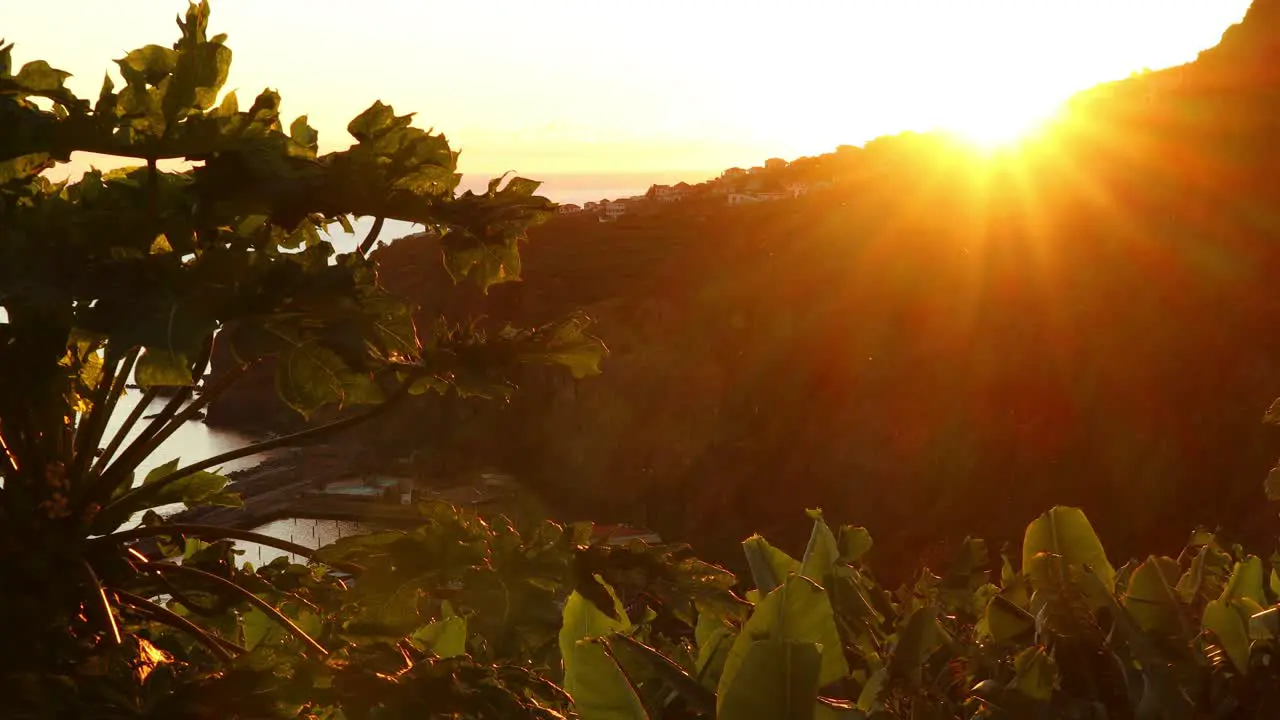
(134, 274)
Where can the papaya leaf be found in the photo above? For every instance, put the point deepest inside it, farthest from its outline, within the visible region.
(446, 637)
(308, 377)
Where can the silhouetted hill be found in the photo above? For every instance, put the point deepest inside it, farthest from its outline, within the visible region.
(941, 344)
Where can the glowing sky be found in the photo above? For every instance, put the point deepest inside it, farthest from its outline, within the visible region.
(588, 86)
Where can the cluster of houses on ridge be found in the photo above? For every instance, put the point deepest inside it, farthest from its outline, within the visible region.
(736, 186)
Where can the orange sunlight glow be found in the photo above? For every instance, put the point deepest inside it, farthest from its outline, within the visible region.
(1002, 125)
(546, 92)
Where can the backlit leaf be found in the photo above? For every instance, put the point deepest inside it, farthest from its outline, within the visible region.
(797, 611)
(775, 679)
(1066, 532)
(161, 368)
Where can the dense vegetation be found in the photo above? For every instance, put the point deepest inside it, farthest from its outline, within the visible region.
(143, 275)
(131, 275)
(941, 343)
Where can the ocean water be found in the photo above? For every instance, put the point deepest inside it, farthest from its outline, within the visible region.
(192, 442)
(308, 533)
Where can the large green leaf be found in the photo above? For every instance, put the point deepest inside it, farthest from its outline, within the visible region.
(918, 638)
(1065, 532)
(1246, 581)
(198, 488)
(583, 620)
(446, 637)
(769, 565)
(1006, 622)
(1152, 601)
(855, 542)
(714, 641)
(308, 377)
(598, 686)
(821, 553)
(798, 611)
(776, 679)
(1035, 674)
(1231, 627)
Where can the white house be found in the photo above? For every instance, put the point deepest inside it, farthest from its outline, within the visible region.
(796, 189)
(661, 193)
(612, 210)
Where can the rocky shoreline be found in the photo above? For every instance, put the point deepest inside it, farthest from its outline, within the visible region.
(271, 485)
(277, 488)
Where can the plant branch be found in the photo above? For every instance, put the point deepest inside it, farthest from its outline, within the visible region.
(216, 645)
(249, 597)
(139, 449)
(92, 425)
(118, 389)
(207, 396)
(372, 237)
(221, 533)
(142, 446)
(118, 439)
(99, 604)
(157, 438)
(151, 489)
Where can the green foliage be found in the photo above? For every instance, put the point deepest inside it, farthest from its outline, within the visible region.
(132, 277)
(1052, 641)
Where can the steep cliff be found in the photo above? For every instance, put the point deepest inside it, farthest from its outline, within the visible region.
(941, 350)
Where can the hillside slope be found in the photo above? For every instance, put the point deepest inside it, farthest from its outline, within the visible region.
(947, 348)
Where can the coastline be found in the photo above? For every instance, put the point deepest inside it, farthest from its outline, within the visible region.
(277, 488)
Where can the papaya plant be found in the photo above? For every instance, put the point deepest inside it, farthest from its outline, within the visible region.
(132, 276)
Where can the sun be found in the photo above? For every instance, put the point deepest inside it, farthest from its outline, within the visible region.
(992, 126)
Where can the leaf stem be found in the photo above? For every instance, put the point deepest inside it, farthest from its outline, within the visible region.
(216, 645)
(372, 237)
(235, 589)
(92, 425)
(157, 438)
(100, 605)
(221, 533)
(110, 450)
(142, 446)
(150, 490)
